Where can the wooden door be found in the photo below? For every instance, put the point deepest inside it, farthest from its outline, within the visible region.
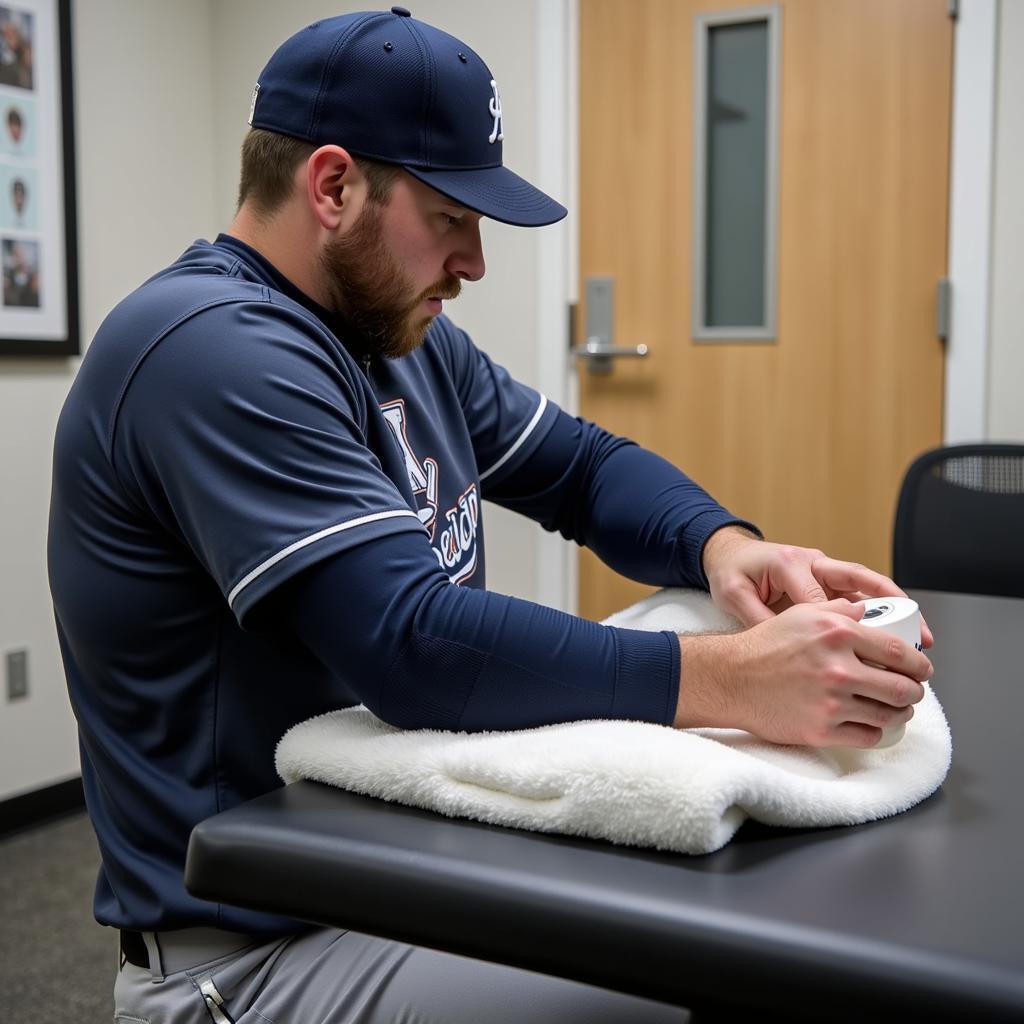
(809, 435)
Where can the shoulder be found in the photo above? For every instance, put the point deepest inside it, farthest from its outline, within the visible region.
(201, 333)
(242, 345)
(208, 308)
(209, 282)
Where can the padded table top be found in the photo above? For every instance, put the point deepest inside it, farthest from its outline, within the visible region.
(919, 914)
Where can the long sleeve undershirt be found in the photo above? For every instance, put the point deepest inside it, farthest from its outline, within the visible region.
(421, 652)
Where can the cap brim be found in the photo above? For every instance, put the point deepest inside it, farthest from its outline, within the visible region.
(495, 192)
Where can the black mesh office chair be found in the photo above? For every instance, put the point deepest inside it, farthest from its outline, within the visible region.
(960, 521)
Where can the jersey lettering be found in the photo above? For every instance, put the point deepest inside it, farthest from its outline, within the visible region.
(455, 547)
(423, 478)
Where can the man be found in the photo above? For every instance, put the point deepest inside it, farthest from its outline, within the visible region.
(19, 200)
(267, 504)
(21, 272)
(15, 127)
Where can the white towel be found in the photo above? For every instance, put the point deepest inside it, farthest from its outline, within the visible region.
(628, 782)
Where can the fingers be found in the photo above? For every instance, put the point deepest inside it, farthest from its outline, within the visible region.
(879, 716)
(841, 606)
(849, 578)
(744, 602)
(887, 688)
(816, 578)
(855, 734)
(801, 584)
(866, 723)
(888, 651)
(802, 576)
(927, 640)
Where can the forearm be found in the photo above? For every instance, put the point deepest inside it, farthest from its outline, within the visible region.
(423, 653)
(640, 514)
(649, 521)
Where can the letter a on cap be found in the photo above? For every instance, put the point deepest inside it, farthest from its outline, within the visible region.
(497, 133)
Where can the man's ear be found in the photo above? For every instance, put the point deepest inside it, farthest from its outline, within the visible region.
(335, 187)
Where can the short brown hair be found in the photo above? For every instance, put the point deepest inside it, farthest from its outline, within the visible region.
(269, 160)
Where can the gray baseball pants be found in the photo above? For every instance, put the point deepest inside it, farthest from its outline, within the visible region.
(327, 976)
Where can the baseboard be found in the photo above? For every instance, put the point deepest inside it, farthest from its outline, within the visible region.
(41, 805)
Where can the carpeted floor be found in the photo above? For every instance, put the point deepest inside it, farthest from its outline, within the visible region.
(56, 963)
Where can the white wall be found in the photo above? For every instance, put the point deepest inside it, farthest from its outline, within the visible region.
(985, 354)
(145, 190)
(162, 94)
(162, 97)
(500, 311)
(1006, 354)
(970, 220)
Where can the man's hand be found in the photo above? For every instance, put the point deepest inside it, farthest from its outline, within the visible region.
(802, 676)
(755, 579)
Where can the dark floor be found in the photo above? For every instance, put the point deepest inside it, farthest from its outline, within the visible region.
(56, 963)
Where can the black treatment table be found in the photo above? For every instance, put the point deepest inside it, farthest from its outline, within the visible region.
(920, 915)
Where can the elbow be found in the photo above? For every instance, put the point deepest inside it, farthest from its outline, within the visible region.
(430, 681)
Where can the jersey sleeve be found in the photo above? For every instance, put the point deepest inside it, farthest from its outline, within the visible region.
(424, 653)
(507, 420)
(243, 432)
(641, 515)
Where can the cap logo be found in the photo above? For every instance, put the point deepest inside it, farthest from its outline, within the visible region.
(252, 103)
(494, 106)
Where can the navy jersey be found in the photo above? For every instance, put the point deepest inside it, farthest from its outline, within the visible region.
(220, 441)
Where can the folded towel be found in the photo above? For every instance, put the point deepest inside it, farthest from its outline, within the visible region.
(628, 782)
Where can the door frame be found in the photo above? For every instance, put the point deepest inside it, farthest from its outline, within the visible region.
(558, 254)
(969, 255)
(971, 188)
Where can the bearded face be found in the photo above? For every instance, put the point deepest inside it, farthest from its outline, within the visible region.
(373, 294)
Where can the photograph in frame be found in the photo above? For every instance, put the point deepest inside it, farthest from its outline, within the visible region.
(38, 266)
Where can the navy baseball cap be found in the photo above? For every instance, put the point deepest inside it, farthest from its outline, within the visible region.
(391, 88)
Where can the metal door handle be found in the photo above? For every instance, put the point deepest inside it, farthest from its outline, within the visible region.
(598, 350)
(599, 354)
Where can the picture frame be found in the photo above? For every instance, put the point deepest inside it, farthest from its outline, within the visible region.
(39, 313)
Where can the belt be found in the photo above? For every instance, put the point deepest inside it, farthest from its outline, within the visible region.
(181, 949)
(133, 949)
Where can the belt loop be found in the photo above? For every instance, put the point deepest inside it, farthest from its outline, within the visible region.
(156, 964)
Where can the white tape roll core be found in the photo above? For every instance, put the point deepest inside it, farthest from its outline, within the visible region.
(902, 617)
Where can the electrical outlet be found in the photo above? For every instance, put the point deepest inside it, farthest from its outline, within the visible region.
(17, 675)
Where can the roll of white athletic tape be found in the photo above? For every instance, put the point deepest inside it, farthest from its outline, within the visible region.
(901, 616)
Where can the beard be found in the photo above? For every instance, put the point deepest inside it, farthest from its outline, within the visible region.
(370, 292)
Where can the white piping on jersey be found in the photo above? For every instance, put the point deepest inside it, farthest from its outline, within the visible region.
(312, 539)
(519, 440)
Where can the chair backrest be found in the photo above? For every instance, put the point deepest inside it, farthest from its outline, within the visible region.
(960, 521)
